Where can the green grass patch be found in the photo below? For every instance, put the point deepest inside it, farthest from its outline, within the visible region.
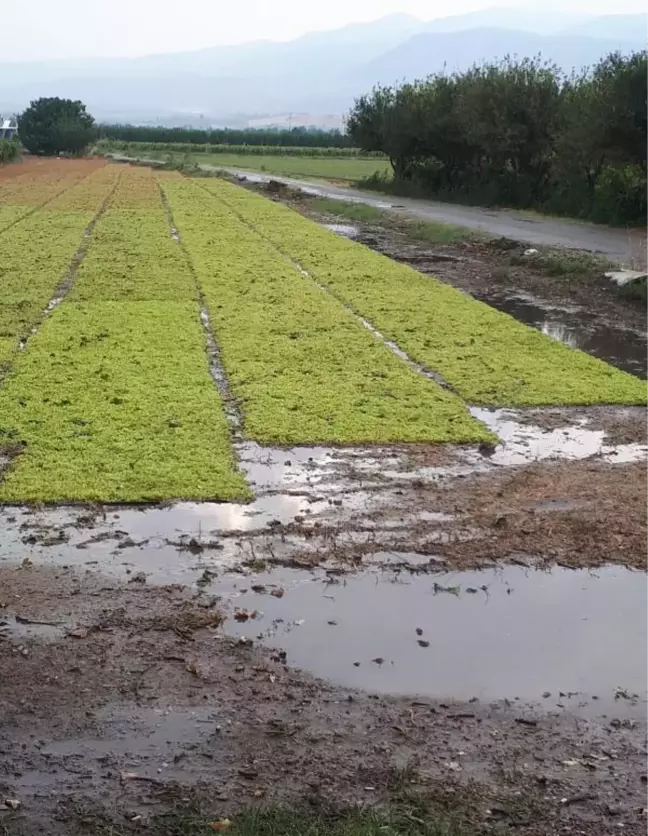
(634, 291)
(431, 232)
(487, 356)
(435, 232)
(303, 368)
(113, 401)
(286, 822)
(344, 209)
(348, 169)
(557, 262)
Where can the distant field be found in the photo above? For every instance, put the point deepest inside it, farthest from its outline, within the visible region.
(327, 168)
(349, 169)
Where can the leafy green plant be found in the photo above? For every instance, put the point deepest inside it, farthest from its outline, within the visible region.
(9, 150)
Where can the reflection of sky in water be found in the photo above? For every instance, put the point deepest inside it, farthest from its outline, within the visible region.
(523, 442)
(562, 333)
(526, 633)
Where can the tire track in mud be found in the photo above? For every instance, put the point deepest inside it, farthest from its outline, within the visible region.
(30, 212)
(63, 287)
(231, 405)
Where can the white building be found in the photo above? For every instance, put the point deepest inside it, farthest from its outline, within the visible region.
(8, 127)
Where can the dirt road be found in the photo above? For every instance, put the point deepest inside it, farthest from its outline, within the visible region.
(617, 244)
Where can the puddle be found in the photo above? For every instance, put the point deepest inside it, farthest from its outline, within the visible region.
(346, 230)
(522, 443)
(16, 627)
(623, 348)
(513, 633)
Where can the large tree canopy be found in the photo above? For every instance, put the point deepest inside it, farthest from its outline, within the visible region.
(518, 133)
(56, 126)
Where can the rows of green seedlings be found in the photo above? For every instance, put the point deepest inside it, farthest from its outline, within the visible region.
(301, 365)
(136, 148)
(36, 254)
(487, 356)
(113, 399)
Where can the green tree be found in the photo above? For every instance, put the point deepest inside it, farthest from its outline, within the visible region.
(56, 126)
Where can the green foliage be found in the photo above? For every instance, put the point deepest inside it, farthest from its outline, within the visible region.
(9, 150)
(304, 369)
(432, 232)
(517, 133)
(633, 291)
(56, 126)
(486, 355)
(343, 209)
(299, 137)
(113, 401)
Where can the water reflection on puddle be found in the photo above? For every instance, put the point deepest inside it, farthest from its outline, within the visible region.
(346, 230)
(523, 442)
(510, 633)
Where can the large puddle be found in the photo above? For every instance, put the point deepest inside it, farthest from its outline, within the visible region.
(623, 348)
(569, 640)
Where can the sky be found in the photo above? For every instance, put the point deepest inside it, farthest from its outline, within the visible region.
(42, 29)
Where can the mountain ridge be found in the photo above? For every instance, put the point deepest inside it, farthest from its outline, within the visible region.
(319, 72)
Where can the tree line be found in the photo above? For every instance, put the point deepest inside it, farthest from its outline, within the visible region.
(517, 133)
(294, 137)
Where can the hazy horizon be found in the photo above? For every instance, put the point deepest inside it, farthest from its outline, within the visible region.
(73, 29)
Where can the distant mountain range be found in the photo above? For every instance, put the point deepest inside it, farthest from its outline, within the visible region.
(317, 75)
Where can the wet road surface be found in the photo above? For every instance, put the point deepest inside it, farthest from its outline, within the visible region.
(617, 244)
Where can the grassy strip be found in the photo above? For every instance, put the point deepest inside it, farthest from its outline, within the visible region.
(286, 822)
(323, 168)
(432, 232)
(35, 254)
(113, 401)
(488, 356)
(304, 369)
(133, 255)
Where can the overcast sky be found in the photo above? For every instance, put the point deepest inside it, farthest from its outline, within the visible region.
(74, 28)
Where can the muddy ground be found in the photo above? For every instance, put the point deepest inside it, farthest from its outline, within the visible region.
(467, 623)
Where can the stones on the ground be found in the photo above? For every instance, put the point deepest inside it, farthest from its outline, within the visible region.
(423, 643)
(419, 632)
(277, 593)
(12, 803)
(378, 660)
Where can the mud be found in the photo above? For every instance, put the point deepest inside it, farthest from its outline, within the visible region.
(145, 701)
